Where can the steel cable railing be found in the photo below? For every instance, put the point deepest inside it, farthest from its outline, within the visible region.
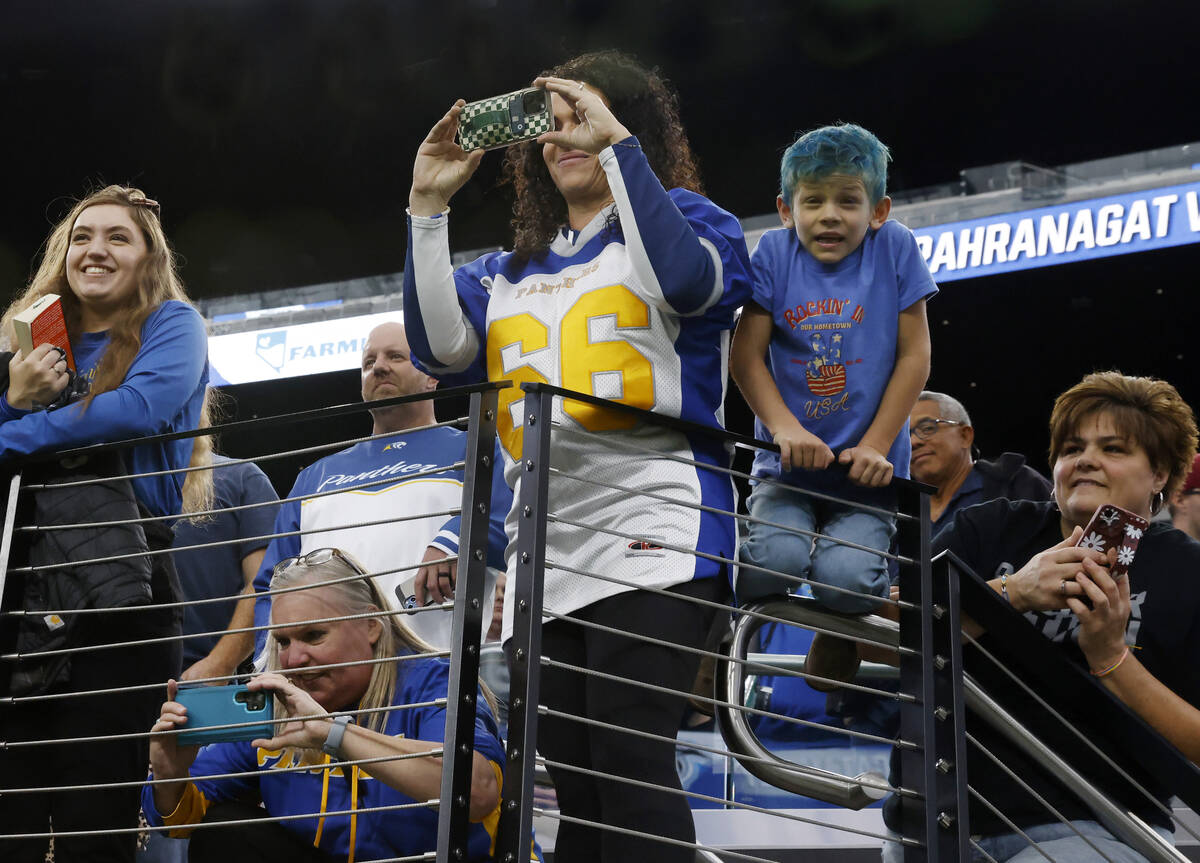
(934, 693)
(459, 703)
(1079, 736)
(543, 478)
(1119, 821)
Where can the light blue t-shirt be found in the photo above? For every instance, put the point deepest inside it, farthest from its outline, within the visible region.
(833, 346)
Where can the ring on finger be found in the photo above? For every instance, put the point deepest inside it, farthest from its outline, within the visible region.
(1062, 587)
(580, 83)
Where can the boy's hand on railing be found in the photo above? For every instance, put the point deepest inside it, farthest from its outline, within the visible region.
(801, 449)
(868, 466)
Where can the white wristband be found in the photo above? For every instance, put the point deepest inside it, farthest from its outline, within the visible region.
(333, 743)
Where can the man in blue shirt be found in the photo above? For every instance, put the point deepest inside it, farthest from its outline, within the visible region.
(233, 544)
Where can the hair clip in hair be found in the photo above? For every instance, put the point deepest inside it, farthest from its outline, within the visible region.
(149, 203)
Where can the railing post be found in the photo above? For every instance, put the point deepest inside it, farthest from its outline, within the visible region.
(10, 591)
(948, 746)
(525, 649)
(919, 817)
(459, 738)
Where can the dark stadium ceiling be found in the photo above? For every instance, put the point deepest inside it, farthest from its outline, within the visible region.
(279, 133)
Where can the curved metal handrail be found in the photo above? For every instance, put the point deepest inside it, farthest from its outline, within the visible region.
(1122, 823)
(859, 791)
(743, 743)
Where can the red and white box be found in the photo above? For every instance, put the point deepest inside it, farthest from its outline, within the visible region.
(43, 323)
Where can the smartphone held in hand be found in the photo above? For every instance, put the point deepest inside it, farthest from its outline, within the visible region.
(212, 706)
(1112, 527)
(505, 120)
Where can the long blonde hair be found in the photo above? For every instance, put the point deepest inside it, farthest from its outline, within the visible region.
(354, 596)
(157, 280)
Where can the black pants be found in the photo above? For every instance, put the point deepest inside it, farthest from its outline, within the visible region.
(612, 802)
(267, 842)
(103, 762)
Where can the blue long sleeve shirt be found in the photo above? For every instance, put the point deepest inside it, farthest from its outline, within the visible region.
(163, 391)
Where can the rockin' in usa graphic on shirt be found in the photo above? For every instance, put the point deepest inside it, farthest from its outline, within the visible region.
(834, 342)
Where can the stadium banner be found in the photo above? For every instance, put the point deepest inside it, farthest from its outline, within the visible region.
(1079, 231)
(291, 351)
(1005, 242)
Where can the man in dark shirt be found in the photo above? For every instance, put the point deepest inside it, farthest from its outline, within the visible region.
(942, 443)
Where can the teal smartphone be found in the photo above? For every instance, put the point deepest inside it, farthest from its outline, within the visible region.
(210, 706)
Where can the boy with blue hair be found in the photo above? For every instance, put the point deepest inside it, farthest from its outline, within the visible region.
(830, 355)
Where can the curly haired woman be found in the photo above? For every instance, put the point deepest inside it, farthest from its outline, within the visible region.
(625, 290)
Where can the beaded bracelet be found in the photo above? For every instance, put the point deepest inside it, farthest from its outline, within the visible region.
(1107, 671)
(1004, 587)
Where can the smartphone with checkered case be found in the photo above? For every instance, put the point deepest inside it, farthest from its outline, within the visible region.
(505, 120)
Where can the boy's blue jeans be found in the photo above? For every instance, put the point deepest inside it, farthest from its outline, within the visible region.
(826, 562)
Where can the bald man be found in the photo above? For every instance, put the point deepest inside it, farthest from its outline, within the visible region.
(390, 477)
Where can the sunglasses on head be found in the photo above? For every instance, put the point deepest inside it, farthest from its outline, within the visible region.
(315, 558)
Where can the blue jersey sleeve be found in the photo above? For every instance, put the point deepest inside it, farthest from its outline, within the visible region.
(213, 760)
(431, 311)
(501, 502)
(7, 411)
(280, 548)
(160, 382)
(692, 249)
(429, 680)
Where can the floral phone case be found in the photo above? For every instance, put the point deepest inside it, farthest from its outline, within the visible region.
(1113, 527)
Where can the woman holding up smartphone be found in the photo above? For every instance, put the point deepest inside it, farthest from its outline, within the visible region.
(1114, 439)
(336, 663)
(623, 282)
(141, 354)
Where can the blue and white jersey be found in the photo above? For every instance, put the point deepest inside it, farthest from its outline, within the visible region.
(390, 509)
(637, 308)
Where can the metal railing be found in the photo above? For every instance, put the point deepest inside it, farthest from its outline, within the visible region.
(539, 513)
(932, 743)
(857, 791)
(459, 701)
